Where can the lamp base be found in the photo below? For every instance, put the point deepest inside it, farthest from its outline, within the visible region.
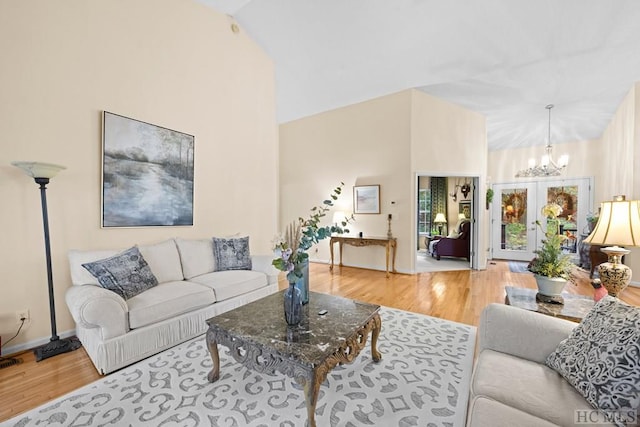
(614, 275)
(55, 347)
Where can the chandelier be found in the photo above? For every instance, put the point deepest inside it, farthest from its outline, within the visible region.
(547, 166)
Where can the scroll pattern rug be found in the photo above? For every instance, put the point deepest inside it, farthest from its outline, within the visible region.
(422, 380)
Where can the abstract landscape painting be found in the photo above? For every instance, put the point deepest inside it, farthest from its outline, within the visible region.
(147, 174)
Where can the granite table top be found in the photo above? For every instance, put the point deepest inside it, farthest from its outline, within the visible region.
(575, 307)
(262, 324)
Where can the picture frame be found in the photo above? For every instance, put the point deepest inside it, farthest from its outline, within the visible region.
(147, 174)
(465, 209)
(366, 199)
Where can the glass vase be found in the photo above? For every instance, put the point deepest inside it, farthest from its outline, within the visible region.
(303, 282)
(292, 305)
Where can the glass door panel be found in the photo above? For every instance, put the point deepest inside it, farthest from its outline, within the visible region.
(573, 196)
(513, 214)
(516, 207)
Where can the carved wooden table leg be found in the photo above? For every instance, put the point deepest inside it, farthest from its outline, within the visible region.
(214, 375)
(375, 332)
(311, 390)
(331, 242)
(387, 257)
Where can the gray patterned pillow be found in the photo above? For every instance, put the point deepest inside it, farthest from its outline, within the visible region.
(232, 254)
(126, 273)
(601, 357)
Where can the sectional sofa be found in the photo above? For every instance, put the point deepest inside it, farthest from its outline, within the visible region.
(191, 287)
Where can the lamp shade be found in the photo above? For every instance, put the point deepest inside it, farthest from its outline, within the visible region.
(39, 170)
(440, 218)
(618, 225)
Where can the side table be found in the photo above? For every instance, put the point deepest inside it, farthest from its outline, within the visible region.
(575, 307)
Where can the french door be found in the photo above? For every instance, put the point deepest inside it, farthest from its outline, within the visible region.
(517, 206)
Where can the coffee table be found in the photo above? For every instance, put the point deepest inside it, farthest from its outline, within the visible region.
(259, 338)
(575, 307)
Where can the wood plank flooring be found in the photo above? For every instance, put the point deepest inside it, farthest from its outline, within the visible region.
(458, 296)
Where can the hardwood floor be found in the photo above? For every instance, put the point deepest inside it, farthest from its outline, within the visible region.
(458, 296)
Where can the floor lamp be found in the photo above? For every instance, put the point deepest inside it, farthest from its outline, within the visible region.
(42, 173)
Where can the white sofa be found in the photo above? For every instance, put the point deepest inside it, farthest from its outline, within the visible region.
(511, 384)
(116, 332)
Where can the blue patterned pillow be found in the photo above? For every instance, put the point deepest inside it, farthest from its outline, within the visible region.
(601, 357)
(232, 254)
(126, 273)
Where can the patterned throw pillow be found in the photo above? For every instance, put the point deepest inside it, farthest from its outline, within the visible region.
(126, 273)
(601, 356)
(232, 254)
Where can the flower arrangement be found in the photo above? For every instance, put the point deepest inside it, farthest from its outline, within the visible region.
(549, 260)
(291, 247)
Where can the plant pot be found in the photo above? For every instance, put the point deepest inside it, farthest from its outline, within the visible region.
(550, 286)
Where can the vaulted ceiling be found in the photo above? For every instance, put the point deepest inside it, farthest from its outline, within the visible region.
(505, 59)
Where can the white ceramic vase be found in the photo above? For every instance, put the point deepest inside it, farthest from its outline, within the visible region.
(550, 286)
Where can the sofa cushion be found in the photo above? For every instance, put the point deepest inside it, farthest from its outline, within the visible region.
(601, 356)
(527, 386)
(167, 300)
(196, 256)
(126, 273)
(164, 260)
(228, 284)
(79, 274)
(231, 254)
(485, 412)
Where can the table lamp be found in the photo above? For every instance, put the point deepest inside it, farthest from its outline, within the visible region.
(440, 220)
(618, 225)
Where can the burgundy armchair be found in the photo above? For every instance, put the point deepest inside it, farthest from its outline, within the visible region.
(454, 246)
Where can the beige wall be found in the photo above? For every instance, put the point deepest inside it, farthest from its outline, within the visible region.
(172, 63)
(620, 151)
(362, 144)
(383, 141)
(504, 164)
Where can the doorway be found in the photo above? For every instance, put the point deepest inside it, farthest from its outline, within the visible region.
(517, 207)
(443, 204)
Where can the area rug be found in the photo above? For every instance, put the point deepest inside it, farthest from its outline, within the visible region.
(422, 380)
(518, 267)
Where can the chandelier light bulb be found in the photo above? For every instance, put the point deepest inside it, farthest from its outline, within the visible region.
(545, 161)
(563, 161)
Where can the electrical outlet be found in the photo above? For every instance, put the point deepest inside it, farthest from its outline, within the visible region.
(22, 314)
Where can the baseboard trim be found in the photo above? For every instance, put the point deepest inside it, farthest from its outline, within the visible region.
(29, 345)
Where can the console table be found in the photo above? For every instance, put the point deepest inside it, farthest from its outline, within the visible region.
(388, 242)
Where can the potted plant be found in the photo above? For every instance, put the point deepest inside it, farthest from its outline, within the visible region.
(551, 268)
(489, 197)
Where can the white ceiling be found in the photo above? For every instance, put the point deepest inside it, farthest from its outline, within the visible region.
(505, 59)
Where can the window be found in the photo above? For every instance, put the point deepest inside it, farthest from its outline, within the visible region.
(424, 210)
